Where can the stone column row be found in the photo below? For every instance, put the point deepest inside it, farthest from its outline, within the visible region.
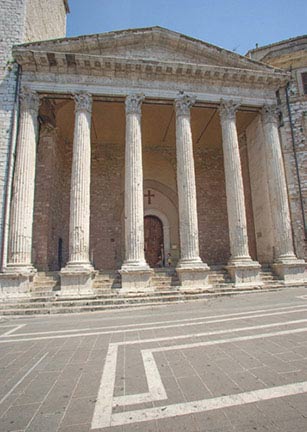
(77, 275)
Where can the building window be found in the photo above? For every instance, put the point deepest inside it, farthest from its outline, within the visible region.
(304, 81)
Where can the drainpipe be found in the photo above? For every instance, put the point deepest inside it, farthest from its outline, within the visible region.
(10, 171)
(296, 162)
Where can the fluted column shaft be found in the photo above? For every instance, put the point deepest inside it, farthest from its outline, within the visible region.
(79, 227)
(134, 211)
(277, 185)
(234, 184)
(22, 206)
(186, 182)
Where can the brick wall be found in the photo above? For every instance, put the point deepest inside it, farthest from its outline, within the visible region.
(52, 199)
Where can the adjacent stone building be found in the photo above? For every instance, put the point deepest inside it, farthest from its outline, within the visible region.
(291, 55)
(144, 148)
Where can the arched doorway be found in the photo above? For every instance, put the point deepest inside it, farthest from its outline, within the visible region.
(154, 249)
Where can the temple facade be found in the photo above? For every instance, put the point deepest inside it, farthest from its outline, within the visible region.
(142, 149)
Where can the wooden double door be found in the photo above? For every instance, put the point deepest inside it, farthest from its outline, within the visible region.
(154, 249)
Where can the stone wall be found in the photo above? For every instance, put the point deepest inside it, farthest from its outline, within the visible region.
(20, 21)
(45, 19)
(11, 32)
(298, 106)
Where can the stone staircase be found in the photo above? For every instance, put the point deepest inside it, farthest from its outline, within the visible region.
(45, 295)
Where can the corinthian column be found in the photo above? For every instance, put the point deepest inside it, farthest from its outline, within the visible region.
(286, 263)
(79, 224)
(135, 271)
(20, 239)
(191, 270)
(241, 267)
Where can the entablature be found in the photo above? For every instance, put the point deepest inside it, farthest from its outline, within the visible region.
(112, 67)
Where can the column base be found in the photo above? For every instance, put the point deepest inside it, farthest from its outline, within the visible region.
(15, 285)
(193, 274)
(136, 277)
(290, 270)
(77, 280)
(245, 273)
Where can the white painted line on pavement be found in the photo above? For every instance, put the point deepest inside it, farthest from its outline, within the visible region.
(216, 332)
(21, 379)
(139, 329)
(154, 382)
(9, 332)
(185, 408)
(103, 407)
(126, 327)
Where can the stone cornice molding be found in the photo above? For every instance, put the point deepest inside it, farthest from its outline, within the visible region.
(29, 100)
(183, 104)
(83, 102)
(270, 114)
(134, 103)
(228, 109)
(95, 65)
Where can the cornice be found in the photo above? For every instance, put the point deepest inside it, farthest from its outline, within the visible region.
(86, 64)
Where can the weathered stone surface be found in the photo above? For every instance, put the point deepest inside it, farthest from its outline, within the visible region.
(211, 211)
(20, 241)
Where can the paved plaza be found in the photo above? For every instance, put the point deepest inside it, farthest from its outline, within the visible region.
(227, 364)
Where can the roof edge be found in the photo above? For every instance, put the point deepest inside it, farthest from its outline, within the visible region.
(66, 5)
(275, 44)
(154, 28)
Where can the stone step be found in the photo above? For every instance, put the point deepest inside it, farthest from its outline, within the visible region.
(125, 303)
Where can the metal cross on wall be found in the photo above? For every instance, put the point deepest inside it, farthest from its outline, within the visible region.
(149, 196)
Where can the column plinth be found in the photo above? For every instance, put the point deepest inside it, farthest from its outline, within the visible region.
(192, 271)
(243, 270)
(135, 272)
(77, 275)
(286, 264)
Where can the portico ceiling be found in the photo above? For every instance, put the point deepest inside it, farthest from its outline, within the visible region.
(158, 124)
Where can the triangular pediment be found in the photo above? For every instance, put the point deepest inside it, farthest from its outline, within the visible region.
(152, 44)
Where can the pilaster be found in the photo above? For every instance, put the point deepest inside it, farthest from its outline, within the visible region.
(242, 269)
(286, 264)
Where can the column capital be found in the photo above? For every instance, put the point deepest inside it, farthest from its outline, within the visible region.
(134, 103)
(227, 109)
(183, 104)
(29, 100)
(270, 114)
(83, 102)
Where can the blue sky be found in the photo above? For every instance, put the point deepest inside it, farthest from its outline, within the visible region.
(232, 24)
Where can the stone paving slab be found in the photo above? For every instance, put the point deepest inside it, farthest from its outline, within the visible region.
(230, 364)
